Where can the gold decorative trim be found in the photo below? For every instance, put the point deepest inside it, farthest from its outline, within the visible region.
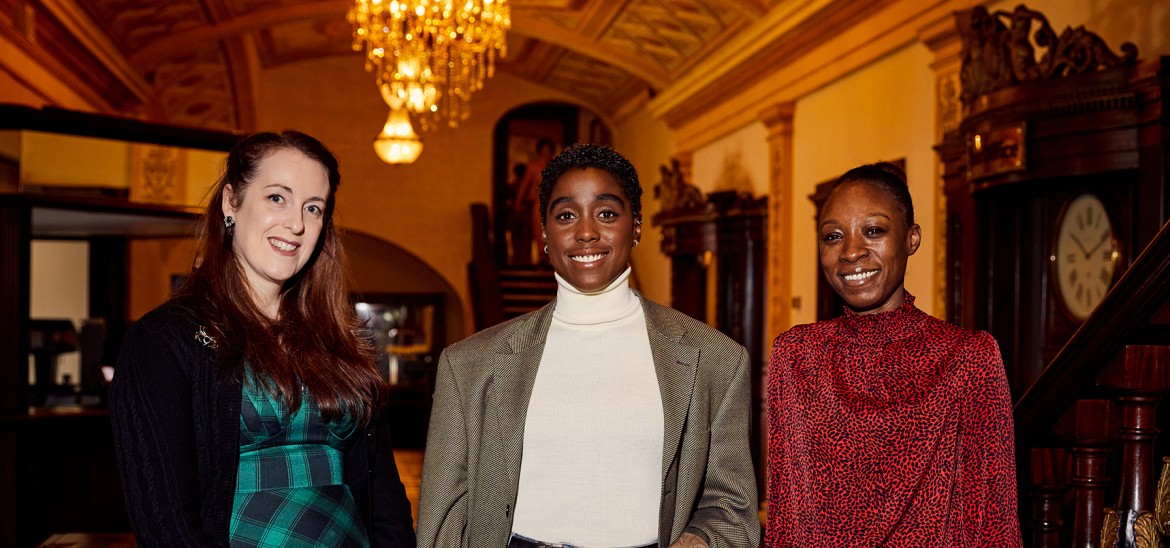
(1145, 531)
(1162, 499)
(1109, 528)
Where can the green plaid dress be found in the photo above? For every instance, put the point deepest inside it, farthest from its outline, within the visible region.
(290, 488)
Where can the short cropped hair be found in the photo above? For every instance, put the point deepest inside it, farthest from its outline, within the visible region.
(584, 156)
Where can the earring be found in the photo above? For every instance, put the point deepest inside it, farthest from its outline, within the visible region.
(546, 250)
(229, 222)
(635, 243)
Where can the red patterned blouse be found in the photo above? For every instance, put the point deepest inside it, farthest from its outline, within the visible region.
(891, 429)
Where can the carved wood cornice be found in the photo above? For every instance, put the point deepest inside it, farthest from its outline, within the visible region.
(998, 50)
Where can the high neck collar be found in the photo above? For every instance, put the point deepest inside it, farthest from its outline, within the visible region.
(891, 324)
(615, 302)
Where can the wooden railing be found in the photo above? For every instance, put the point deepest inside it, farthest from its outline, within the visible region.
(1086, 430)
(482, 272)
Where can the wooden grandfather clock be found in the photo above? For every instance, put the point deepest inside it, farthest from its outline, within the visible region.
(1056, 178)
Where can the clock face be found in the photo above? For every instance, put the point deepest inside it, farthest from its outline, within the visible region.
(1086, 252)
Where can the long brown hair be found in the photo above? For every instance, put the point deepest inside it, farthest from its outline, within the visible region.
(315, 341)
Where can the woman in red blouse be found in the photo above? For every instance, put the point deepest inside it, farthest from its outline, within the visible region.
(887, 427)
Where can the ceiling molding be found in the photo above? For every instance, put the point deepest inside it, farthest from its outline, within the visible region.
(237, 25)
(85, 31)
(734, 53)
(894, 27)
(243, 70)
(630, 62)
(598, 16)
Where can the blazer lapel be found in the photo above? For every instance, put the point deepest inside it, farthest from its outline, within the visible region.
(514, 374)
(677, 366)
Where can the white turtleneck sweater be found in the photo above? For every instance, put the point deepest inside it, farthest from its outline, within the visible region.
(590, 474)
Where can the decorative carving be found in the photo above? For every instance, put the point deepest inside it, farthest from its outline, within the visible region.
(1109, 528)
(675, 193)
(1162, 500)
(998, 50)
(1145, 531)
(949, 111)
(158, 174)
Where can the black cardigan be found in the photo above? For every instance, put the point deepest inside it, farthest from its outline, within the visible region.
(176, 422)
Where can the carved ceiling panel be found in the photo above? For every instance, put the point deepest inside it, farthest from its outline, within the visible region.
(591, 79)
(667, 31)
(196, 56)
(135, 24)
(194, 89)
(304, 39)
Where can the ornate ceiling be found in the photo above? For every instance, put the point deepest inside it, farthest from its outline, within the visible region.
(193, 62)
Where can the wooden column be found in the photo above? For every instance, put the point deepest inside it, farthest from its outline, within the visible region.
(15, 238)
(942, 39)
(15, 246)
(778, 121)
(778, 316)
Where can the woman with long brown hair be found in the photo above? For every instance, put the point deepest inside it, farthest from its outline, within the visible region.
(246, 408)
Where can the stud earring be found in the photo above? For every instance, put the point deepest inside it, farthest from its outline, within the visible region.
(229, 222)
(635, 243)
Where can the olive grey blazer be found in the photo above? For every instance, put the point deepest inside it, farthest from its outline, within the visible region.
(472, 466)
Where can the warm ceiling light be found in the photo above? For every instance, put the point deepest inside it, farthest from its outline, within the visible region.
(432, 54)
(398, 143)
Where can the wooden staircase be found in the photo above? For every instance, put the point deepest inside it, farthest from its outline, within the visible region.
(1087, 443)
(502, 292)
(525, 288)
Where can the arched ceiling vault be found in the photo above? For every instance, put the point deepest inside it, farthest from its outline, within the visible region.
(195, 62)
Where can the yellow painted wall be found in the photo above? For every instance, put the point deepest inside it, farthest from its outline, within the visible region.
(55, 159)
(422, 207)
(736, 162)
(647, 143)
(204, 168)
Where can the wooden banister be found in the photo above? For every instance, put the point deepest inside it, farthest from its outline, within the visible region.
(1050, 475)
(1136, 298)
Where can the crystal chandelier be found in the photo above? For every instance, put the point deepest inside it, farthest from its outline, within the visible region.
(432, 55)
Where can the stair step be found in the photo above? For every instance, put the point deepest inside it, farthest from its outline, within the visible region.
(525, 273)
(518, 298)
(549, 286)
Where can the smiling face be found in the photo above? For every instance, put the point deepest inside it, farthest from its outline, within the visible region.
(278, 219)
(590, 228)
(864, 243)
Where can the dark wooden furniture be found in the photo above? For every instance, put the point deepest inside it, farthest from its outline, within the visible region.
(1040, 129)
(57, 470)
(408, 331)
(718, 253)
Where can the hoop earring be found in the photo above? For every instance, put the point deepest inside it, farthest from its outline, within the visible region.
(229, 222)
(546, 250)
